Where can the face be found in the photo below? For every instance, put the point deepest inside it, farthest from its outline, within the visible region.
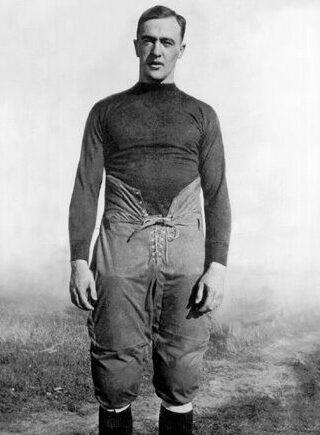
(158, 47)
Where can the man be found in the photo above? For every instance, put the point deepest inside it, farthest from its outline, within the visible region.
(157, 277)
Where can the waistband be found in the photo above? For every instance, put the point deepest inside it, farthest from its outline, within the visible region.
(125, 202)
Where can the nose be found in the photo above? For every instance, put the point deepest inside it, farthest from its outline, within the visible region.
(156, 48)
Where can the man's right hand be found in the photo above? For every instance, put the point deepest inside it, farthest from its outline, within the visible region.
(82, 285)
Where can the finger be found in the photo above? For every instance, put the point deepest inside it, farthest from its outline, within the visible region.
(206, 307)
(93, 291)
(74, 297)
(208, 301)
(85, 305)
(199, 293)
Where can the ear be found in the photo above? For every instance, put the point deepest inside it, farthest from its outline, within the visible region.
(182, 48)
(136, 47)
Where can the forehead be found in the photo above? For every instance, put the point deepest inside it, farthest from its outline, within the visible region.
(161, 27)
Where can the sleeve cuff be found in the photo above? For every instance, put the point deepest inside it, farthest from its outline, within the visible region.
(217, 252)
(79, 250)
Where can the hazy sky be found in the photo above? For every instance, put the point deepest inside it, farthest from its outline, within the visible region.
(255, 61)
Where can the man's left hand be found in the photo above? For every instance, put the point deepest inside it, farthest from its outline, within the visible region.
(209, 295)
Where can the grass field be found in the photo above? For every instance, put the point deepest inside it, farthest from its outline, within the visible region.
(264, 379)
(43, 359)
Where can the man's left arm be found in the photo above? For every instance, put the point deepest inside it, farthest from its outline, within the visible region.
(217, 214)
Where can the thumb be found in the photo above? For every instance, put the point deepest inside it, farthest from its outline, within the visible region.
(199, 292)
(93, 292)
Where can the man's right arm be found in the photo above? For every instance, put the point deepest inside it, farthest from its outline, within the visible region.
(83, 210)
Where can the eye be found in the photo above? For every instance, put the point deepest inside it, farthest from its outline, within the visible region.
(167, 43)
(146, 41)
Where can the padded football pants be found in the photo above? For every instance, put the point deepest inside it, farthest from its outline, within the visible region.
(146, 269)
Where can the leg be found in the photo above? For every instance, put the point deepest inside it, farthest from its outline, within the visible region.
(119, 323)
(175, 420)
(117, 360)
(182, 336)
(177, 355)
(177, 364)
(118, 344)
(115, 422)
(116, 375)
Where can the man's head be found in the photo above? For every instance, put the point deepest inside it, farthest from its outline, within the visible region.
(159, 43)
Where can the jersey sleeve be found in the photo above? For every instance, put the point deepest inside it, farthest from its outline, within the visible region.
(84, 200)
(215, 192)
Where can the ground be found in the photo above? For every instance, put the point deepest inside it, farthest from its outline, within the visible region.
(265, 379)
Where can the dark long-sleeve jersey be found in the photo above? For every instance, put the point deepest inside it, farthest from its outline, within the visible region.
(157, 139)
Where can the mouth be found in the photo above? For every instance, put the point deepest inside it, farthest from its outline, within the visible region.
(155, 64)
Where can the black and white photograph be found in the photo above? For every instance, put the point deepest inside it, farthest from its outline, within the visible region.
(160, 217)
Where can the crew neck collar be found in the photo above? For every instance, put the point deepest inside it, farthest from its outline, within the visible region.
(146, 86)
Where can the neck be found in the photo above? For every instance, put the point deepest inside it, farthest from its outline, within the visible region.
(155, 82)
(143, 78)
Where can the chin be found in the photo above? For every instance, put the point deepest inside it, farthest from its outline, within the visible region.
(156, 76)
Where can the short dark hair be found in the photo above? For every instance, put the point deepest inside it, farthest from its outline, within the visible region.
(162, 12)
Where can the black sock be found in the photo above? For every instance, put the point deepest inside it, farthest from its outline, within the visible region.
(115, 423)
(174, 423)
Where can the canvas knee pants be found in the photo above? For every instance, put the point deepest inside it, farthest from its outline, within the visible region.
(146, 270)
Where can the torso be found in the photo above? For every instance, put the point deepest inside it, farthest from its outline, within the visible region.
(152, 137)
